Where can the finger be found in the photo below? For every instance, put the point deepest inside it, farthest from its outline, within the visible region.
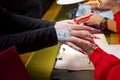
(83, 27)
(70, 22)
(77, 40)
(73, 46)
(84, 35)
(80, 33)
(83, 44)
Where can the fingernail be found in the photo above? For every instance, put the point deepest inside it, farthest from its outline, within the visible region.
(97, 30)
(83, 52)
(91, 44)
(94, 37)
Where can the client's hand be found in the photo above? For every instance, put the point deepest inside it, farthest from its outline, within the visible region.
(78, 33)
(85, 46)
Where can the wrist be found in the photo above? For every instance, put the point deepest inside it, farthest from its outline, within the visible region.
(90, 51)
(99, 20)
(63, 34)
(103, 23)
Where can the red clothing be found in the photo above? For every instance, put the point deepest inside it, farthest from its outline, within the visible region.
(117, 19)
(107, 66)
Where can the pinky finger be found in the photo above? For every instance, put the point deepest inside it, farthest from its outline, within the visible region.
(72, 45)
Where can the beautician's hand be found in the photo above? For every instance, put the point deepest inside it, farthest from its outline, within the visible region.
(94, 19)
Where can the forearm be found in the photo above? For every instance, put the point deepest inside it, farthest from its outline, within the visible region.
(30, 40)
(104, 64)
(117, 19)
(111, 25)
(15, 23)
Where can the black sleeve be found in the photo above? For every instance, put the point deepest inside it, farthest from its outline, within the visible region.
(27, 34)
(14, 23)
(30, 40)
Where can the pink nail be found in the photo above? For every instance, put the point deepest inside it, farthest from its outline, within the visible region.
(97, 30)
(91, 44)
(94, 37)
(82, 51)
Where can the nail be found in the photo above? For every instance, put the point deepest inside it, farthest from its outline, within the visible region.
(96, 30)
(94, 37)
(91, 44)
(83, 52)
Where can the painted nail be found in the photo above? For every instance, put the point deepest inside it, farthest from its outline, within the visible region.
(91, 44)
(80, 50)
(94, 37)
(97, 30)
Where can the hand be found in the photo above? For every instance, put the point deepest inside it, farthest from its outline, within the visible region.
(94, 19)
(75, 29)
(92, 2)
(71, 25)
(111, 4)
(78, 32)
(83, 46)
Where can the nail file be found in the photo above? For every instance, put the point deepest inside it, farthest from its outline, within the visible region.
(83, 20)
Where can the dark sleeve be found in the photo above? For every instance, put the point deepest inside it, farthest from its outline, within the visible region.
(27, 34)
(14, 23)
(30, 40)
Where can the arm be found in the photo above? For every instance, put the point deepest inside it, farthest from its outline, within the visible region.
(96, 19)
(29, 34)
(107, 66)
(111, 25)
(117, 19)
(30, 40)
(15, 23)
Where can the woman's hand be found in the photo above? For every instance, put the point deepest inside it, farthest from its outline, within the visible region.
(92, 2)
(82, 45)
(78, 33)
(94, 19)
(85, 46)
(114, 5)
(77, 30)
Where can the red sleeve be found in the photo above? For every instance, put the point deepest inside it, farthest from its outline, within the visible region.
(117, 19)
(107, 66)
